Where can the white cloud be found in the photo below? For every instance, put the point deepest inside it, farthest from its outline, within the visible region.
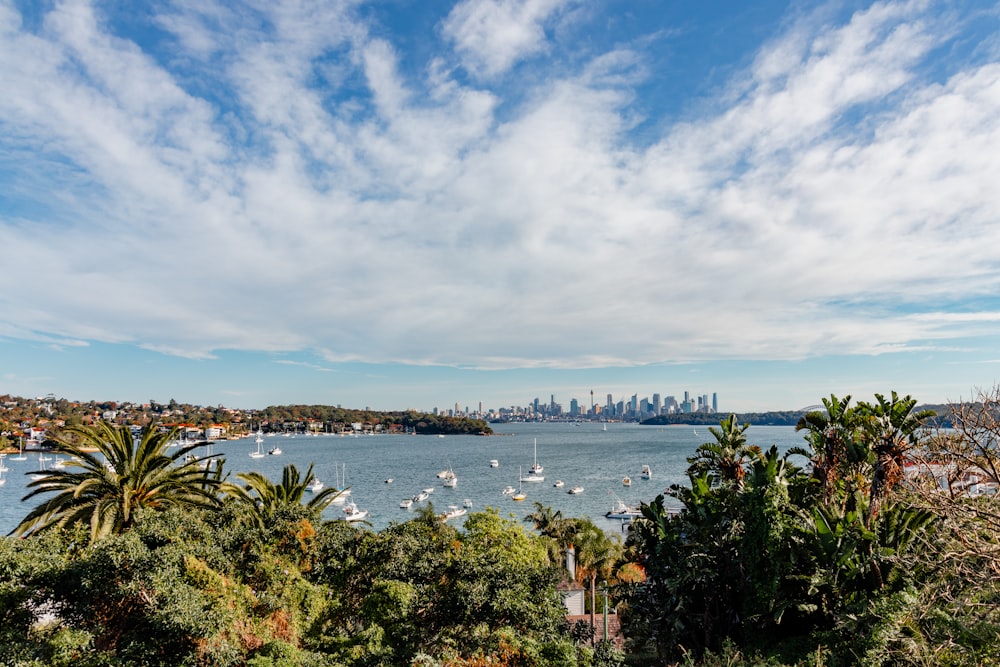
(491, 36)
(833, 201)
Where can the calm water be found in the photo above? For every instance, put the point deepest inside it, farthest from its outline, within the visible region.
(578, 454)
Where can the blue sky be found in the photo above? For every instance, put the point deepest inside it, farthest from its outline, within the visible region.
(410, 204)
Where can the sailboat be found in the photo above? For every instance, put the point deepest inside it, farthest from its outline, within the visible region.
(520, 495)
(340, 485)
(20, 452)
(259, 452)
(535, 471)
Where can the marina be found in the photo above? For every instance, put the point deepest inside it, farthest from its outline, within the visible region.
(581, 454)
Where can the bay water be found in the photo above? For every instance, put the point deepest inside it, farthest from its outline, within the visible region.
(578, 453)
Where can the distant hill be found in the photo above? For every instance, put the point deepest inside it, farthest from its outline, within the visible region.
(781, 418)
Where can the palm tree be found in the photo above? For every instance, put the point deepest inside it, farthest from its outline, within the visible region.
(725, 458)
(836, 446)
(264, 499)
(556, 529)
(112, 475)
(597, 555)
(893, 428)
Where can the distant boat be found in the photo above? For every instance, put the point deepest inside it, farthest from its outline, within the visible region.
(619, 510)
(626, 481)
(20, 452)
(536, 467)
(352, 513)
(388, 480)
(467, 502)
(508, 490)
(520, 495)
(421, 496)
(647, 472)
(406, 503)
(558, 484)
(315, 486)
(605, 426)
(575, 490)
(494, 463)
(454, 511)
(259, 452)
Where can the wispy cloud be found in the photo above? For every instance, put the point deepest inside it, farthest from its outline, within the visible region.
(280, 182)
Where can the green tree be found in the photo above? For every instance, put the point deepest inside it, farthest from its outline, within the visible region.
(597, 556)
(263, 500)
(112, 475)
(726, 458)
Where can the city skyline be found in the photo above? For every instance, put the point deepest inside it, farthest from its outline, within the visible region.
(414, 204)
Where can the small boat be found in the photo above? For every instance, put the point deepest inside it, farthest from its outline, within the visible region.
(451, 482)
(626, 481)
(352, 513)
(536, 468)
(274, 451)
(647, 472)
(575, 490)
(494, 463)
(406, 503)
(520, 495)
(388, 480)
(315, 485)
(508, 490)
(259, 452)
(467, 502)
(619, 510)
(454, 511)
(429, 490)
(558, 484)
(20, 452)
(420, 497)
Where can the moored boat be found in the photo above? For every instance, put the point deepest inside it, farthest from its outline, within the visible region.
(576, 489)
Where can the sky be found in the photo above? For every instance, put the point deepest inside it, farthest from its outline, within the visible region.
(411, 204)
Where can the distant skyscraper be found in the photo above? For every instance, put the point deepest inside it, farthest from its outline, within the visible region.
(656, 404)
(715, 402)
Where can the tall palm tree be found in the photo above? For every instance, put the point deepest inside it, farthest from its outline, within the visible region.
(726, 458)
(112, 475)
(597, 555)
(837, 448)
(264, 499)
(893, 428)
(556, 529)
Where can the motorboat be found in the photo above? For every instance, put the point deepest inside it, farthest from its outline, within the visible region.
(626, 481)
(558, 484)
(467, 502)
(315, 485)
(274, 451)
(508, 490)
(352, 513)
(494, 463)
(647, 472)
(406, 503)
(420, 497)
(620, 510)
(388, 480)
(576, 489)
(451, 482)
(454, 511)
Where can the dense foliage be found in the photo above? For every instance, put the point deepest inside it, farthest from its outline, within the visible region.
(877, 543)
(832, 554)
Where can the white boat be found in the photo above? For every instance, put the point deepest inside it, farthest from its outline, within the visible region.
(626, 481)
(420, 497)
(43, 473)
(454, 511)
(20, 452)
(429, 490)
(3, 468)
(274, 451)
(451, 482)
(406, 503)
(467, 502)
(508, 490)
(315, 485)
(449, 477)
(520, 495)
(619, 510)
(259, 452)
(388, 480)
(340, 484)
(494, 463)
(352, 513)
(576, 489)
(536, 468)
(647, 472)
(558, 484)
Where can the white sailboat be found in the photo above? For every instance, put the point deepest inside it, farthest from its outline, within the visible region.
(535, 468)
(520, 495)
(20, 452)
(259, 452)
(535, 471)
(340, 485)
